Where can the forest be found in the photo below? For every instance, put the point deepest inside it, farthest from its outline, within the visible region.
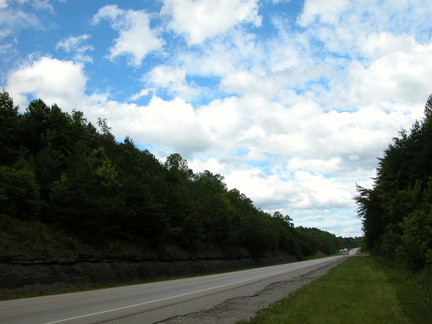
(397, 210)
(59, 170)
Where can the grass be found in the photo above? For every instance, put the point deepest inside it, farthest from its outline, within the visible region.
(360, 290)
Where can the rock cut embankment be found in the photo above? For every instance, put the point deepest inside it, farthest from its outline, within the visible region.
(22, 278)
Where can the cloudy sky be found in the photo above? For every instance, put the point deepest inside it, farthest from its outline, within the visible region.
(290, 101)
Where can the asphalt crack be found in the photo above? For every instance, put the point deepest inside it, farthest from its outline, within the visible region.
(244, 308)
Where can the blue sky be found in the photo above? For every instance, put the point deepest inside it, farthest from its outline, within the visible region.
(290, 101)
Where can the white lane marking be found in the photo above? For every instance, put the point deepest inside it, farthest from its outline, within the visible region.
(149, 302)
(162, 299)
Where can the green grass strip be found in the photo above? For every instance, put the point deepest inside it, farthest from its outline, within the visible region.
(360, 290)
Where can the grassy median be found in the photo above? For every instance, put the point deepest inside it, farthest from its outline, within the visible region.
(360, 290)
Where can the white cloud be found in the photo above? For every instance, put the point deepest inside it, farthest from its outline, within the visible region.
(339, 24)
(252, 182)
(6, 44)
(173, 80)
(37, 4)
(378, 44)
(74, 45)
(143, 92)
(245, 82)
(15, 16)
(321, 192)
(171, 124)
(168, 124)
(337, 221)
(398, 70)
(315, 166)
(326, 12)
(42, 4)
(53, 80)
(135, 36)
(17, 19)
(202, 19)
(302, 190)
(234, 52)
(297, 158)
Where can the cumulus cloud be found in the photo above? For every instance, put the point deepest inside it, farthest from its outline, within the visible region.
(245, 82)
(224, 119)
(170, 124)
(398, 70)
(56, 81)
(297, 158)
(172, 80)
(202, 19)
(135, 39)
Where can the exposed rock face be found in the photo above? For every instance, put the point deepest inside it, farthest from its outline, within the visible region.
(20, 278)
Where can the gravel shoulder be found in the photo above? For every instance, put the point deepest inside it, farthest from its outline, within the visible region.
(244, 308)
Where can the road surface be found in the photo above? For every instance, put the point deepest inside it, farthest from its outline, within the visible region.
(153, 302)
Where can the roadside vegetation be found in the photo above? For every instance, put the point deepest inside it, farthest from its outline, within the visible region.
(360, 290)
(394, 285)
(68, 183)
(397, 210)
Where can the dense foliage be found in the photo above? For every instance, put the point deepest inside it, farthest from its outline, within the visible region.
(397, 211)
(58, 169)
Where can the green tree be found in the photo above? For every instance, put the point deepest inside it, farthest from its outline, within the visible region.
(416, 247)
(396, 210)
(19, 192)
(178, 170)
(87, 199)
(145, 220)
(9, 126)
(371, 212)
(214, 210)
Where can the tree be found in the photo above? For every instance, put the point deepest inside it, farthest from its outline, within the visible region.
(286, 219)
(371, 212)
(87, 199)
(177, 169)
(428, 108)
(396, 211)
(34, 125)
(19, 192)
(145, 219)
(415, 249)
(214, 210)
(9, 126)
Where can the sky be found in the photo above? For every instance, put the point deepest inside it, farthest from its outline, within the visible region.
(292, 102)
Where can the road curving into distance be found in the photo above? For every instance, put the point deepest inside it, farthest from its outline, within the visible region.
(154, 302)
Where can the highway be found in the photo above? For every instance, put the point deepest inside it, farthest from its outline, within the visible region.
(152, 302)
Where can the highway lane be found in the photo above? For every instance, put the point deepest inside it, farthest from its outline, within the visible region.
(151, 302)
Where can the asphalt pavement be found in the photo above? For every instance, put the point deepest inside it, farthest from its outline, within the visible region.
(154, 302)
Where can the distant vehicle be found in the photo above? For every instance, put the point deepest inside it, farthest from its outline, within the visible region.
(344, 251)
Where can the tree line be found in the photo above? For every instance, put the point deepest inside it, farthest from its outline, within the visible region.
(59, 169)
(397, 210)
